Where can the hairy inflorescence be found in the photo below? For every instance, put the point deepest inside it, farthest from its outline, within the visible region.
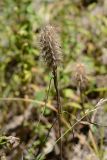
(80, 75)
(50, 46)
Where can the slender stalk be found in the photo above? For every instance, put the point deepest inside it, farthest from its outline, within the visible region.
(93, 141)
(82, 101)
(55, 77)
(49, 132)
(44, 109)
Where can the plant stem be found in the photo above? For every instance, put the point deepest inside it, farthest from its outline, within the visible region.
(55, 77)
(82, 99)
(93, 141)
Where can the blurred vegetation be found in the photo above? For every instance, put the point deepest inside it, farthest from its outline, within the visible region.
(82, 26)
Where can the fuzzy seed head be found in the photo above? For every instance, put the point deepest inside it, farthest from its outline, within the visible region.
(80, 76)
(50, 46)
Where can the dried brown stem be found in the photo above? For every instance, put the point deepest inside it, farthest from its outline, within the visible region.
(59, 107)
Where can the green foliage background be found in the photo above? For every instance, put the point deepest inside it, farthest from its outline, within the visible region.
(83, 32)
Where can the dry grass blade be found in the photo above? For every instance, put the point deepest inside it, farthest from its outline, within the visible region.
(102, 101)
(41, 103)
